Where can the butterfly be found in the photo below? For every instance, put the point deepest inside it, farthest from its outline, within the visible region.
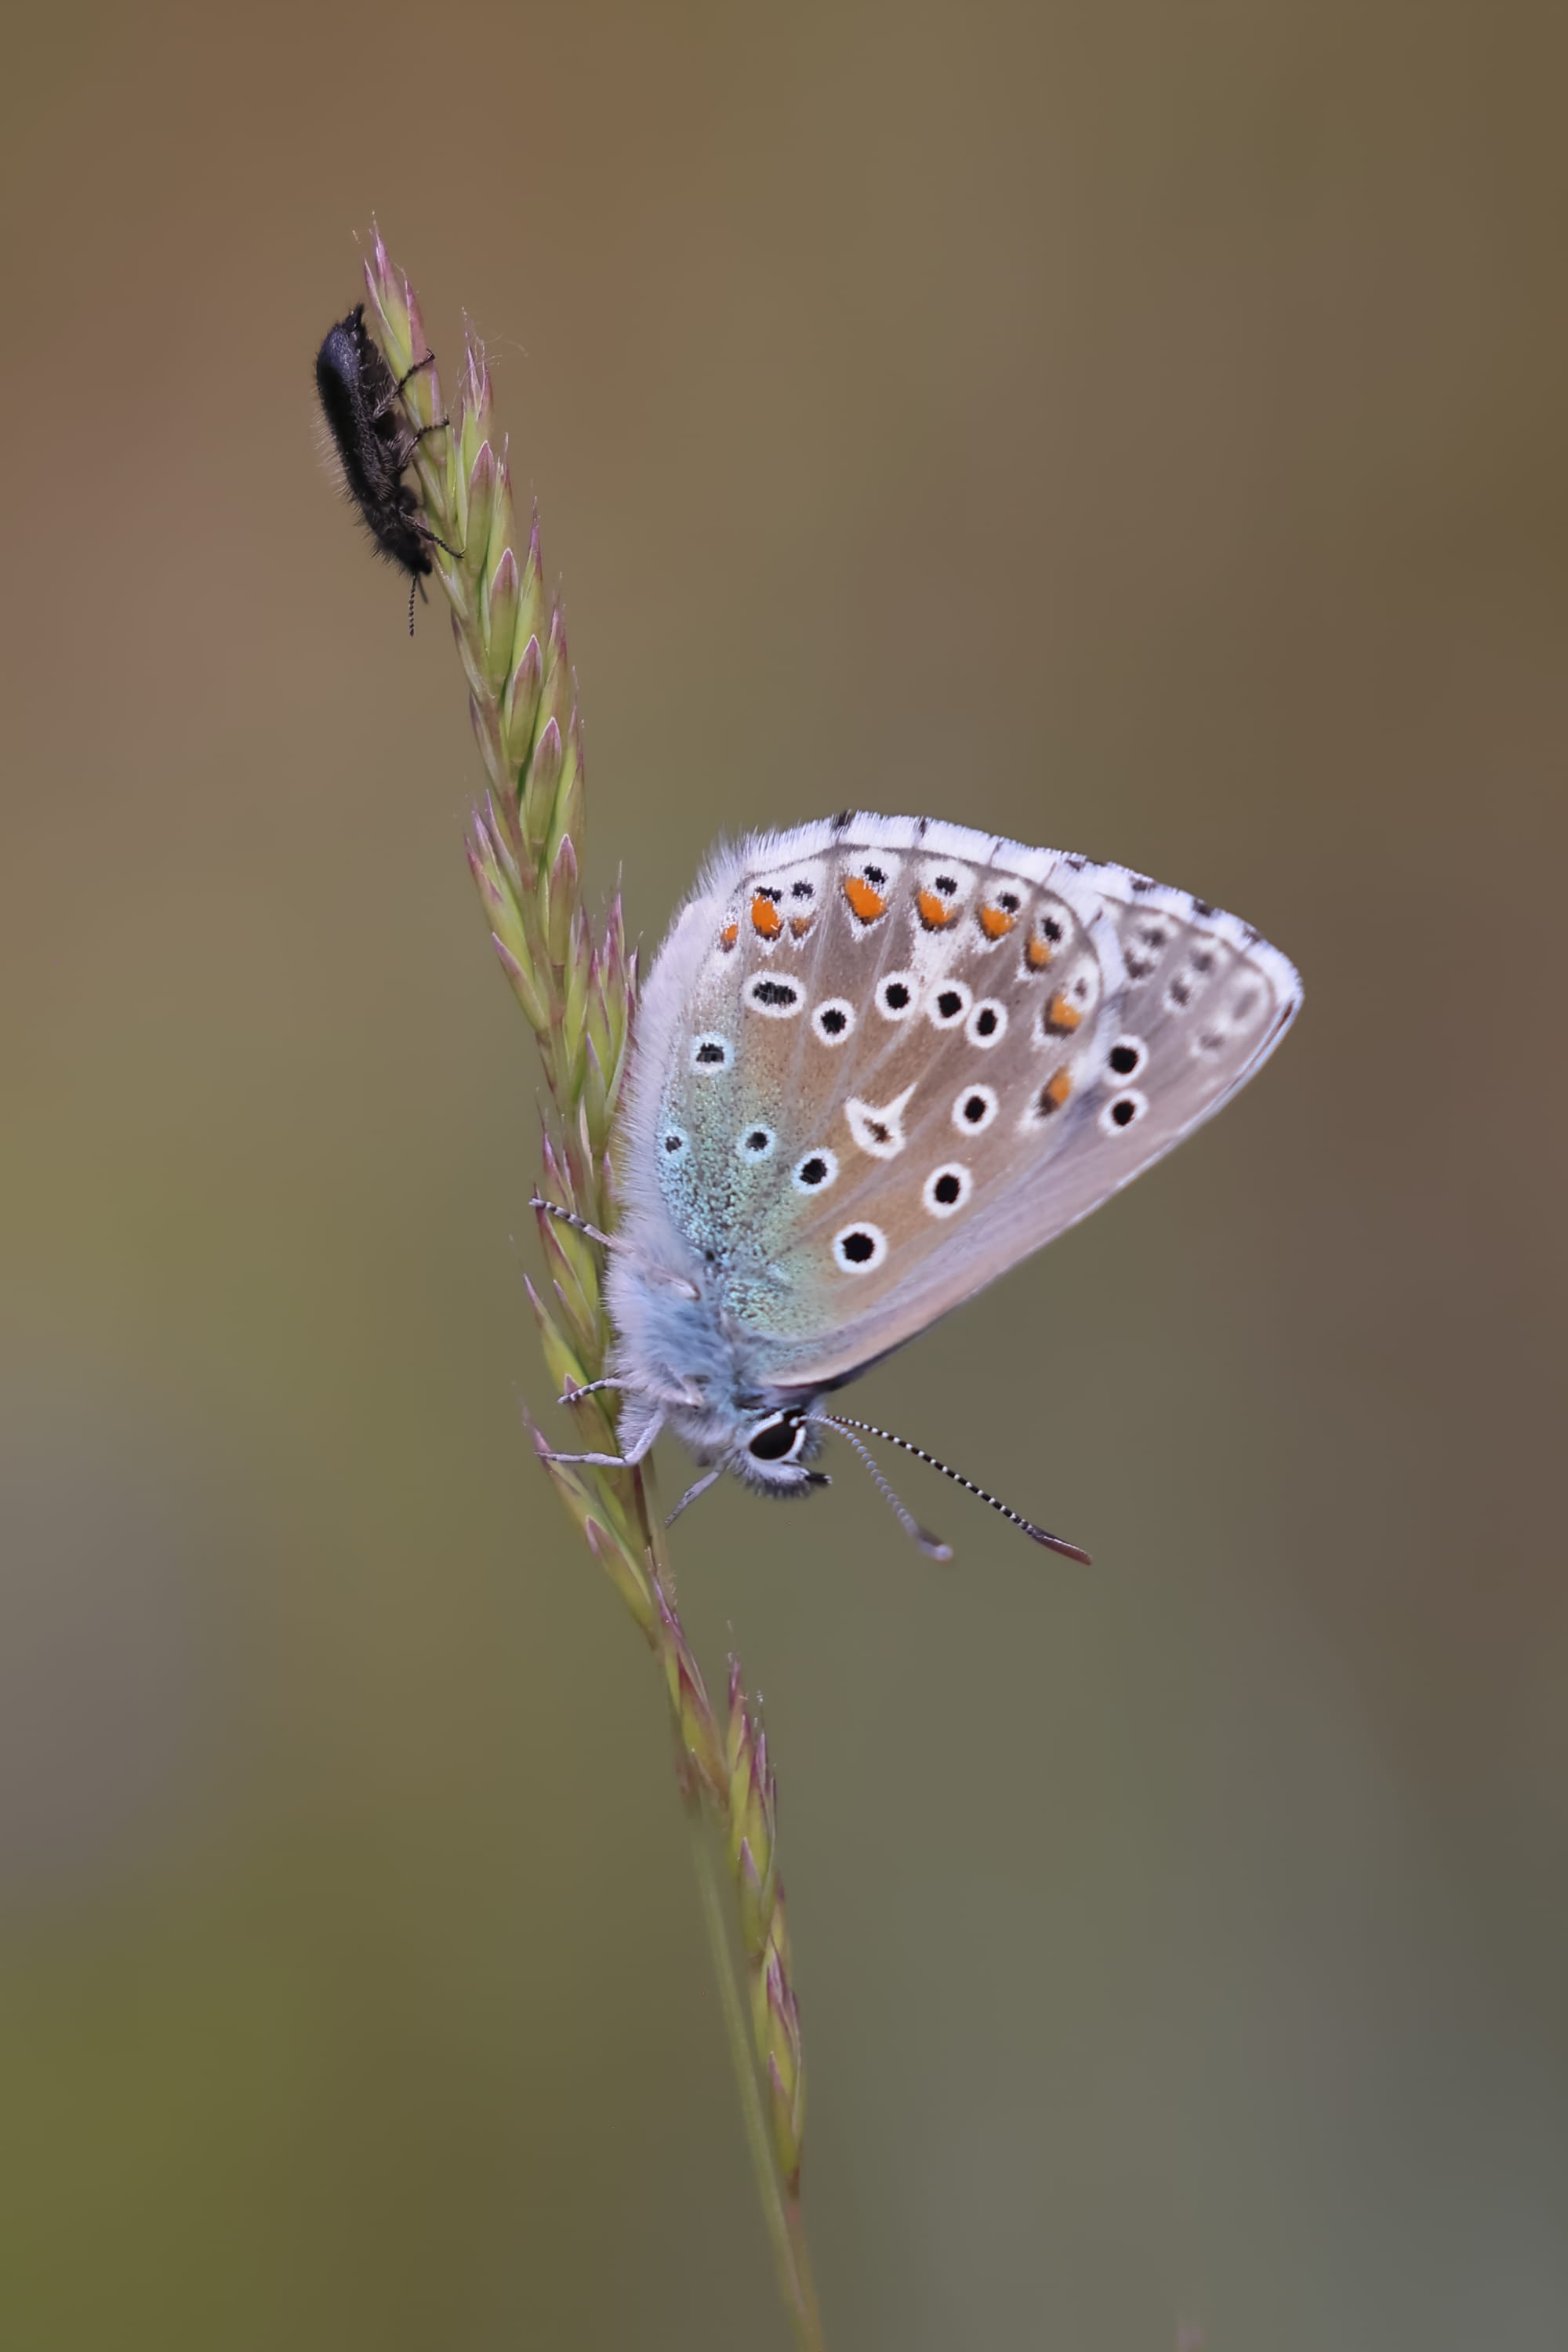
(880, 1061)
(375, 443)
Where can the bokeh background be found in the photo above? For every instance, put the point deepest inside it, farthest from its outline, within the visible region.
(1131, 428)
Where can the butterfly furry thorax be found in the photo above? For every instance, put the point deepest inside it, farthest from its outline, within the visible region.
(880, 1061)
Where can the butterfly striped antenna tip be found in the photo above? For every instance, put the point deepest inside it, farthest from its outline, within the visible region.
(929, 1543)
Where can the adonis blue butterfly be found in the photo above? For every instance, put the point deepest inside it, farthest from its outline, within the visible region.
(878, 1061)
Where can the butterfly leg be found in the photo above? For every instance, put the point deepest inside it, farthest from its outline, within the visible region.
(570, 1217)
(691, 1395)
(664, 1275)
(627, 1461)
(701, 1488)
(589, 1388)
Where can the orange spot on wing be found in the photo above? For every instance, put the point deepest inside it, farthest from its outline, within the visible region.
(729, 935)
(1038, 954)
(997, 922)
(799, 925)
(1061, 1016)
(1056, 1090)
(863, 900)
(935, 913)
(766, 919)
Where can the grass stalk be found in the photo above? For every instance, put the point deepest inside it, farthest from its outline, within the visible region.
(576, 987)
(781, 2210)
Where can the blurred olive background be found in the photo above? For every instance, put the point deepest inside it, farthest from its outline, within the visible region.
(1130, 428)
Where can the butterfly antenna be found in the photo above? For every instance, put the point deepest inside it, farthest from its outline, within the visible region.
(931, 1545)
(1052, 1543)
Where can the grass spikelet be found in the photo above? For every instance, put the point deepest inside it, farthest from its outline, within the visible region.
(576, 988)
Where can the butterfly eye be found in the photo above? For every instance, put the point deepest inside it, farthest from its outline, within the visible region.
(778, 1439)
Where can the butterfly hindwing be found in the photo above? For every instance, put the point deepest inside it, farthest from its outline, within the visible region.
(889, 1058)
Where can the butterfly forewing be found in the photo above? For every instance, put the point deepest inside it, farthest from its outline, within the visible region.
(906, 1055)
